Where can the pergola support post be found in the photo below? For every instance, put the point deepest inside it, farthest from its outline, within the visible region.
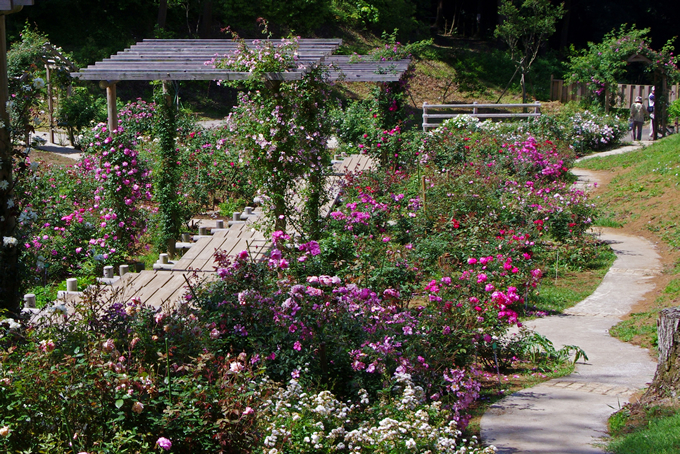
(9, 253)
(111, 107)
(50, 102)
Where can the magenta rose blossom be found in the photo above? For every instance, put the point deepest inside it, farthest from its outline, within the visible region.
(164, 443)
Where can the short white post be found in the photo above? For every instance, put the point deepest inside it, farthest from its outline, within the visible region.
(72, 285)
(249, 210)
(236, 217)
(425, 116)
(219, 224)
(29, 300)
(123, 270)
(163, 259)
(202, 231)
(186, 238)
(108, 272)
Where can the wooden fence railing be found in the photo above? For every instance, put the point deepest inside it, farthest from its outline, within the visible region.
(625, 93)
(476, 110)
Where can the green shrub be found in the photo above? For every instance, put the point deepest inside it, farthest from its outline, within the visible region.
(78, 111)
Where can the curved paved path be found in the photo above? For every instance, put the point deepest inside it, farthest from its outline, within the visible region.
(569, 414)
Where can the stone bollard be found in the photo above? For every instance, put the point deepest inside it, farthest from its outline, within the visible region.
(248, 211)
(123, 270)
(186, 238)
(236, 216)
(219, 224)
(29, 300)
(72, 285)
(108, 272)
(202, 231)
(163, 258)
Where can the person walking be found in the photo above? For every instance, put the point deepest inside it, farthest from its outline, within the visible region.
(637, 116)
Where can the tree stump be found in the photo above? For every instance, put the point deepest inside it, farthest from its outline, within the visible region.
(666, 384)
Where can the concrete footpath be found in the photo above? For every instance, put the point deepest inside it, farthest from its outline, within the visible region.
(569, 414)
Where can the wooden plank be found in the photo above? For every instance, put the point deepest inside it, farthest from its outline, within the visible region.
(194, 251)
(178, 75)
(150, 289)
(174, 286)
(206, 256)
(301, 41)
(470, 106)
(142, 280)
(506, 115)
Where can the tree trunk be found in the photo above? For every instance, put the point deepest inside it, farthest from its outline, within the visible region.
(666, 382)
(564, 35)
(162, 13)
(9, 255)
(205, 29)
(438, 22)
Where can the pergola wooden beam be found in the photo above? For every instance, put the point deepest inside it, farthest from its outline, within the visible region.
(179, 74)
(10, 5)
(185, 59)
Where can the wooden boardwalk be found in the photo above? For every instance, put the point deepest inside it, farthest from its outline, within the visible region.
(159, 287)
(169, 286)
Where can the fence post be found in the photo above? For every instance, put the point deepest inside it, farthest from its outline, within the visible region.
(537, 109)
(552, 89)
(424, 116)
(474, 109)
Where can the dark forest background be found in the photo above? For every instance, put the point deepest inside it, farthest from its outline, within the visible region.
(93, 29)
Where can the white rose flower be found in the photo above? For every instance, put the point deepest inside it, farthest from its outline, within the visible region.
(38, 83)
(9, 241)
(4, 184)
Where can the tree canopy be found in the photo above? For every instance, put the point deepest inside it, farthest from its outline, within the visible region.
(603, 64)
(525, 27)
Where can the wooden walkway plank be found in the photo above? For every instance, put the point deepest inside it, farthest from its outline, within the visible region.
(142, 281)
(174, 285)
(148, 291)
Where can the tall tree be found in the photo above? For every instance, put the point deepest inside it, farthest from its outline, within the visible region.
(162, 13)
(525, 27)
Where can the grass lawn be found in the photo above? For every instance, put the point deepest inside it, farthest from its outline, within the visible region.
(657, 434)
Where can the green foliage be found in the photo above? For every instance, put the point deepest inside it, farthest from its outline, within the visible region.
(80, 110)
(166, 175)
(526, 26)
(661, 435)
(601, 65)
(674, 111)
(529, 346)
(232, 205)
(26, 61)
(283, 130)
(378, 16)
(114, 382)
(353, 120)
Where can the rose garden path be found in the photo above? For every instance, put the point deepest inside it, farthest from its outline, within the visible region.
(569, 414)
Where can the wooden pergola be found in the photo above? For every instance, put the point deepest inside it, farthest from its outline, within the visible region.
(186, 59)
